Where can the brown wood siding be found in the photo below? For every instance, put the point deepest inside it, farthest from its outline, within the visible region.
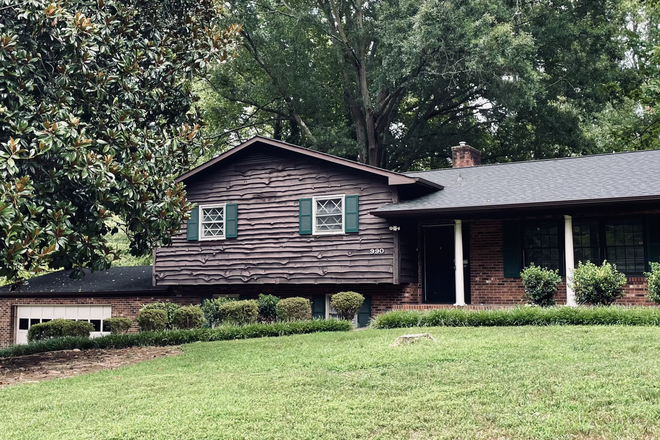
(269, 249)
(409, 255)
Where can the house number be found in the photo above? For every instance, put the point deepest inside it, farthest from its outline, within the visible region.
(376, 251)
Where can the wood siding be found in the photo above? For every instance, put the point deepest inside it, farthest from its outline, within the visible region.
(267, 187)
(409, 272)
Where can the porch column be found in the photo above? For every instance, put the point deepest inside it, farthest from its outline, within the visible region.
(458, 262)
(569, 258)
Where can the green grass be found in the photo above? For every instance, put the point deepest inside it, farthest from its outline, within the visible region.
(474, 383)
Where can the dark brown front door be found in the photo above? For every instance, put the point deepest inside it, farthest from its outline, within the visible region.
(439, 278)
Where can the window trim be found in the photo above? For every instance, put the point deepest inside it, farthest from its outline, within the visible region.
(201, 222)
(343, 215)
(560, 242)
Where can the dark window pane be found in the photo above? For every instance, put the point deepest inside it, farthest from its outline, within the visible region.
(45, 320)
(97, 324)
(34, 321)
(23, 324)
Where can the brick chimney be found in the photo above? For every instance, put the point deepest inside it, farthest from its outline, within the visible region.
(465, 156)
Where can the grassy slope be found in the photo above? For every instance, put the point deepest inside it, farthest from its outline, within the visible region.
(510, 382)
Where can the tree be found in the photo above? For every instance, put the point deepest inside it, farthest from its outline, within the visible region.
(97, 118)
(395, 83)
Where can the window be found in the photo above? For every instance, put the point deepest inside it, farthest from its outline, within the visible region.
(212, 222)
(541, 245)
(329, 215)
(620, 242)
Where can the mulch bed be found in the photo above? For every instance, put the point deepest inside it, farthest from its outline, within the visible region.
(59, 364)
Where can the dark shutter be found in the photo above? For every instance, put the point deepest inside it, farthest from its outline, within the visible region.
(652, 241)
(318, 307)
(305, 216)
(364, 314)
(193, 225)
(204, 298)
(511, 249)
(231, 220)
(243, 297)
(352, 214)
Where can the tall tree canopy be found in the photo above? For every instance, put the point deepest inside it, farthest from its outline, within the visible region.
(395, 83)
(97, 118)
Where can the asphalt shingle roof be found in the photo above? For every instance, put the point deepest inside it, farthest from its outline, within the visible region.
(576, 180)
(117, 279)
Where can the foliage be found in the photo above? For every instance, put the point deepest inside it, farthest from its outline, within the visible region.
(97, 119)
(239, 312)
(117, 325)
(188, 317)
(152, 320)
(178, 337)
(346, 304)
(267, 307)
(540, 285)
(294, 309)
(212, 310)
(403, 80)
(582, 315)
(169, 308)
(58, 328)
(653, 281)
(597, 285)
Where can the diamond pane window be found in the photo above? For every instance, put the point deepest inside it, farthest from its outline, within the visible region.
(329, 215)
(212, 222)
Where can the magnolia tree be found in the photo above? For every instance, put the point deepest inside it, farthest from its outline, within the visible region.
(97, 118)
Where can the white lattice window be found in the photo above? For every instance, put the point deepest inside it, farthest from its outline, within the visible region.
(329, 215)
(212, 222)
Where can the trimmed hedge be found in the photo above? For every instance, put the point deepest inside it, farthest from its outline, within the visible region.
(239, 312)
(152, 320)
(613, 315)
(58, 328)
(118, 325)
(188, 317)
(294, 309)
(346, 304)
(177, 337)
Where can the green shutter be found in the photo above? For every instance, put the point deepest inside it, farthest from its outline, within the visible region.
(652, 240)
(193, 225)
(352, 213)
(231, 220)
(511, 249)
(364, 314)
(305, 217)
(318, 307)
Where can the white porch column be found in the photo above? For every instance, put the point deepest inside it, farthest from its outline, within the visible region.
(458, 262)
(569, 258)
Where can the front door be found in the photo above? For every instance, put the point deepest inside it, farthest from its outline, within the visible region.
(439, 277)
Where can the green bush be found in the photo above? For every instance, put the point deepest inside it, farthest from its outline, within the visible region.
(540, 285)
(653, 280)
(168, 307)
(294, 309)
(267, 307)
(152, 320)
(212, 312)
(188, 317)
(178, 337)
(117, 325)
(346, 304)
(58, 328)
(239, 312)
(597, 285)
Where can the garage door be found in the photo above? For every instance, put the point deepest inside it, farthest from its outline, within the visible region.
(27, 316)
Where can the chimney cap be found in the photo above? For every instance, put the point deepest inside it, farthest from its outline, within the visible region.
(462, 143)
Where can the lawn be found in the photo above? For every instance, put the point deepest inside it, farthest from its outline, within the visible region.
(505, 382)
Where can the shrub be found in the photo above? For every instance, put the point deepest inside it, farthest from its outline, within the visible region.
(169, 309)
(212, 312)
(177, 337)
(239, 312)
(188, 317)
(117, 325)
(152, 320)
(294, 309)
(58, 328)
(581, 315)
(267, 307)
(653, 280)
(346, 304)
(597, 285)
(540, 285)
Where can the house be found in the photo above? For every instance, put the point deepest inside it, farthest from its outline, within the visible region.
(279, 219)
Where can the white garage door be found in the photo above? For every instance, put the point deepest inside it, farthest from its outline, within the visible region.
(27, 316)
